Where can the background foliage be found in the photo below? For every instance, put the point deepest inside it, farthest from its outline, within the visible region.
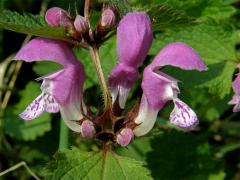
(212, 27)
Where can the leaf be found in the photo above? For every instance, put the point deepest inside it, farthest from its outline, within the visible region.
(180, 155)
(208, 109)
(200, 9)
(21, 129)
(46, 67)
(218, 10)
(164, 16)
(108, 59)
(30, 24)
(123, 6)
(198, 37)
(76, 164)
(137, 149)
(218, 78)
(219, 55)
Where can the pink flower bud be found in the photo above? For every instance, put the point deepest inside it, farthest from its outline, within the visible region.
(108, 18)
(81, 25)
(125, 137)
(87, 129)
(58, 17)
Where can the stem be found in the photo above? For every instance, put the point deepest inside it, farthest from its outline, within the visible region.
(86, 9)
(96, 61)
(63, 139)
(11, 84)
(3, 69)
(18, 166)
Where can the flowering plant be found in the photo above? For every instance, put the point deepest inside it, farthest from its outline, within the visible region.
(108, 102)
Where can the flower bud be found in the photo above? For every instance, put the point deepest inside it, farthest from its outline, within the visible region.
(58, 17)
(106, 22)
(87, 129)
(124, 137)
(81, 25)
(108, 18)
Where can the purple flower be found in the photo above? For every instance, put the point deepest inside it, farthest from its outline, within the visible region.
(134, 38)
(236, 97)
(61, 90)
(159, 88)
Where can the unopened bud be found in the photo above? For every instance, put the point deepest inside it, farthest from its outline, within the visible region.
(87, 129)
(125, 136)
(58, 17)
(106, 22)
(81, 25)
(108, 18)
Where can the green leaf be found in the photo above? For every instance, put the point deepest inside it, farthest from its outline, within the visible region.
(207, 109)
(123, 6)
(164, 16)
(219, 55)
(180, 155)
(30, 24)
(200, 9)
(218, 10)
(46, 67)
(76, 164)
(218, 78)
(221, 48)
(108, 59)
(26, 130)
(137, 149)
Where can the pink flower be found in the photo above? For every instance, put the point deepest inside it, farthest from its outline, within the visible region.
(62, 90)
(236, 97)
(134, 36)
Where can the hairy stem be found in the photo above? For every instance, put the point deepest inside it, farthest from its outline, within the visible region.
(96, 61)
(86, 9)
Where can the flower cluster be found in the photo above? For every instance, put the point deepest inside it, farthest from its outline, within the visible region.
(63, 90)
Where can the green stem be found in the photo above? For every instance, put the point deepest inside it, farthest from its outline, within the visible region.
(63, 139)
(24, 164)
